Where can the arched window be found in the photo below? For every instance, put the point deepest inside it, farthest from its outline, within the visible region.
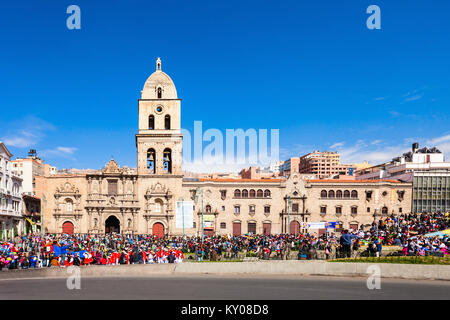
(151, 122)
(151, 154)
(252, 193)
(159, 93)
(266, 193)
(237, 193)
(69, 205)
(259, 193)
(158, 205)
(167, 161)
(15, 189)
(354, 194)
(331, 194)
(339, 194)
(167, 122)
(208, 209)
(244, 193)
(384, 210)
(346, 194)
(323, 193)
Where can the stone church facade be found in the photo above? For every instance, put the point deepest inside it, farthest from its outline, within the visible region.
(143, 200)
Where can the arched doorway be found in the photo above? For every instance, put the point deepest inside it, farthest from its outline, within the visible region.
(294, 227)
(112, 224)
(67, 227)
(158, 230)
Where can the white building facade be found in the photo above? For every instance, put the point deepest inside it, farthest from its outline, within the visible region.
(11, 219)
(429, 173)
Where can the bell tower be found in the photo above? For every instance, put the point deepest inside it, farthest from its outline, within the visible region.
(159, 139)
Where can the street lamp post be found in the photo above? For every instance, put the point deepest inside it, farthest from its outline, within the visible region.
(199, 191)
(44, 202)
(182, 212)
(288, 224)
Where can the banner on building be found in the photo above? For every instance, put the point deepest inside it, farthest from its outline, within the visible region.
(184, 214)
(208, 221)
(316, 225)
(331, 225)
(393, 195)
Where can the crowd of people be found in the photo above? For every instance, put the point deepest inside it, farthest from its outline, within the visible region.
(407, 231)
(62, 250)
(65, 250)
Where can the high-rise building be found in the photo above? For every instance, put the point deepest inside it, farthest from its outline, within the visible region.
(324, 164)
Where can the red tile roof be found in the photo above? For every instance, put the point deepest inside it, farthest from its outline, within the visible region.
(240, 180)
(357, 181)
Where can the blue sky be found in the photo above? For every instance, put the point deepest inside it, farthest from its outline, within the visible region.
(311, 69)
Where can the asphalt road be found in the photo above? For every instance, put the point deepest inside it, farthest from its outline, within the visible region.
(238, 287)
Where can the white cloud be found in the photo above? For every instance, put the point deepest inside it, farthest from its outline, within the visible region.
(64, 152)
(378, 152)
(414, 98)
(19, 142)
(337, 145)
(439, 139)
(374, 152)
(36, 130)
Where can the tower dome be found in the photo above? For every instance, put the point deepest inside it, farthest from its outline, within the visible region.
(159, 85)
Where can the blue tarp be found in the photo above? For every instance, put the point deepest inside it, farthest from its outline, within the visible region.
(57, 250)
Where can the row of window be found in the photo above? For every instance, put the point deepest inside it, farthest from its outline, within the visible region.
(338, 194)
(237, 209)
(151, 122)
(251, 227)
(4, 204)
(251, 194)
(354, 210)
(15, 188)
(223, 225)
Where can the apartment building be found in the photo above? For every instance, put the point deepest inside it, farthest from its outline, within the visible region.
(324, 165)
(11, 220)
(428, 171)
(30, 167)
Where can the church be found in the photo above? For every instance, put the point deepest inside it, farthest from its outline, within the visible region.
(143, 200)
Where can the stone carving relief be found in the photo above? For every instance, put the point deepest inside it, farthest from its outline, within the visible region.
(112, 167)
(67, 188)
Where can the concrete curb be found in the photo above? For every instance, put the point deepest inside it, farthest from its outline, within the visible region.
(320, 268)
